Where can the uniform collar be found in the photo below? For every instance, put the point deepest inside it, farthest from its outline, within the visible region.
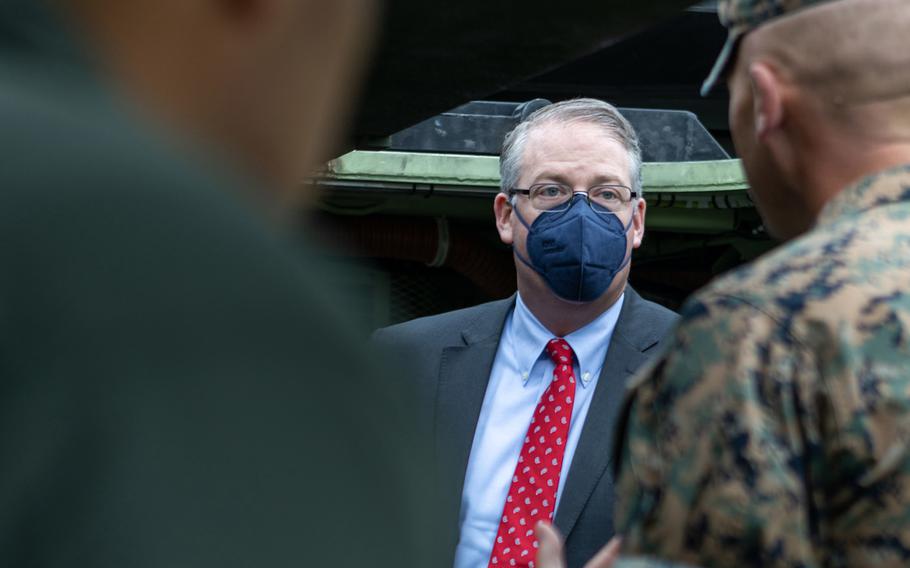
(883, 188)
(589, 343)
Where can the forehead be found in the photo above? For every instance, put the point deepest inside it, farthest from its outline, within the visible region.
(574, 150)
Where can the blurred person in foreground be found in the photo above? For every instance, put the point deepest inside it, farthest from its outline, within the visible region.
(776, 430)
(178, 389)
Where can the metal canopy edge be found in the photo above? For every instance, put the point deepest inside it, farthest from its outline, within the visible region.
(719, 176)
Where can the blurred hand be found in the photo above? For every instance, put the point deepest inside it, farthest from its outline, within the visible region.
(550, 553)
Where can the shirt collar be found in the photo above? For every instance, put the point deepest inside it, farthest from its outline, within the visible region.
(589, 343)
(883, 188)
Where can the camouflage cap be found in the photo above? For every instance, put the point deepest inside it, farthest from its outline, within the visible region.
(741, 17)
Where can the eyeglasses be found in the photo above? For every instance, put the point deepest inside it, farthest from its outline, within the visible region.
(555, 197)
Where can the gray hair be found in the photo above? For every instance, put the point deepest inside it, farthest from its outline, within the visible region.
(591, 111)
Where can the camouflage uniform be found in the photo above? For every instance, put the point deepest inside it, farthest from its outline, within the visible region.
(775, 432)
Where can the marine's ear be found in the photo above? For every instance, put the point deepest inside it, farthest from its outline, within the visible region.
(767, 97)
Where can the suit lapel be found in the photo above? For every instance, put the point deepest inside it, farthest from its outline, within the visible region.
(463, 376)
(592, 456)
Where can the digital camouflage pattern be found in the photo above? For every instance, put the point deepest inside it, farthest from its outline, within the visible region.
(775, 430)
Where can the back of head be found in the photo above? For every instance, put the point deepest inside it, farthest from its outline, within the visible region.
(849, 54)
(853, 51)
(741, 17)
(820, 98)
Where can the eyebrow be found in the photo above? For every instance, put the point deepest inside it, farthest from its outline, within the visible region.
(606, 179)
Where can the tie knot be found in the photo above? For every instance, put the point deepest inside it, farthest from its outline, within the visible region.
(559, 351)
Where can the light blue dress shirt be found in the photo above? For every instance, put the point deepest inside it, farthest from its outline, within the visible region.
(521, 372)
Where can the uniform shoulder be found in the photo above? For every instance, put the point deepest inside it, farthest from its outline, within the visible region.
(784, 271)
(803, 290)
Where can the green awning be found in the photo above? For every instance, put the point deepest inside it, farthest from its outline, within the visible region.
(683, 196)
(452, 170)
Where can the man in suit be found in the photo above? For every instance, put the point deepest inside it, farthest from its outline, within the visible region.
(514, 446)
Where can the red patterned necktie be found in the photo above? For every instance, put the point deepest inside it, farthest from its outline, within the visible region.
(532, 495)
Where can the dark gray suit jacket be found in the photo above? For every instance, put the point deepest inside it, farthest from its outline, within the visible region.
(451, 357)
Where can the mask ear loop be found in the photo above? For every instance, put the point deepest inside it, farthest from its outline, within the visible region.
(626, 233)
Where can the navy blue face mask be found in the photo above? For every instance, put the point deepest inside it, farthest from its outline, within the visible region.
(577, 251)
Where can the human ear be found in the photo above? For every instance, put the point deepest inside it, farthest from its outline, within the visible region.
(502, 209)
(638, 222)
(768, 111)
